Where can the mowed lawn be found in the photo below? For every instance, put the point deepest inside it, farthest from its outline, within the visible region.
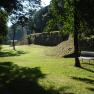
(30, 70)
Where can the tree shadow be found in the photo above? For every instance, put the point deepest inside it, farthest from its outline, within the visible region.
(91, 64)
(86, 80)
(19, 80)
(61, 90)
(11, 53)
(88, 67)
(72, 55)
(22, 80)
(91, 89)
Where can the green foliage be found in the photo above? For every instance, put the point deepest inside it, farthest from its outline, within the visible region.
(85, 12)
(9, 5)
(62, 16)
(56, 11)
(3, 23)
(68, 15)
(51, 26)
(56, 7)
(6, 6)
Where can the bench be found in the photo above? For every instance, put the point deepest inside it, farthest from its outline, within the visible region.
(86, 55)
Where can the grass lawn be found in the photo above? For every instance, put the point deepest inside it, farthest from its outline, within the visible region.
(29, 70)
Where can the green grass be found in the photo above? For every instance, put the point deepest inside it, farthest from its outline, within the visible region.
(60, 75)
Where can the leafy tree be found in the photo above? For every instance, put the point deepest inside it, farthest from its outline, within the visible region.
(84, 11)
(56, 19)
(76, 46)
(3, 26)
(3, 21)
(6, 6)
(34, 5)
(22, 16)
(65, 10)
(9, 5)
(14, 32)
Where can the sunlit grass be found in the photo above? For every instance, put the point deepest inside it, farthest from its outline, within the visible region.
(60, 72)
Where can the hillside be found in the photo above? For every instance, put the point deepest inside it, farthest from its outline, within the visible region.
(65, 48)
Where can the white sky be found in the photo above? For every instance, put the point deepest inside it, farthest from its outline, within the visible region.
(44, 3)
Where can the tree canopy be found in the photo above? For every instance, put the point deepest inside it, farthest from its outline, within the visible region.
(85, 12)
(56, 19)
(3, 22)
(62, 16)
(8, 5)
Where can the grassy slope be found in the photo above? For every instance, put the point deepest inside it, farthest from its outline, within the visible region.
(60, 72)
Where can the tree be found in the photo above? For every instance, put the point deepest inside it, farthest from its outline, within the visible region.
(84, 22)
(13, 20)
(76, 45)
(3, 25)
(6, 6)
(64, 9)
(56, 16)
(85, 11)
(34, 6)
(14, 31)
(23, 22)
(22, 16)
(9, 5)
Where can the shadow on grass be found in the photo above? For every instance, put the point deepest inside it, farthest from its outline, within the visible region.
(92, 64)
(86, 80)
(88, 69)
(11, 53)
(91, 89)
(72, 55)
(88, 66)
(22, 80)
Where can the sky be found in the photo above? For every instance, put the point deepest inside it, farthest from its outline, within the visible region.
(44, 3)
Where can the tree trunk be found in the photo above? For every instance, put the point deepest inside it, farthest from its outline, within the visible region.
(13, 40)
(23, 38)
(76, 28)
(76, 49)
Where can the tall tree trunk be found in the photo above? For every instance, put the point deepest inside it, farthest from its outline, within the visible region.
(14, 40)
(76, 27)
(76, 49)
(24, 35)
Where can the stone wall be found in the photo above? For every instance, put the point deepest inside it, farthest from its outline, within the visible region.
(47, 38)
